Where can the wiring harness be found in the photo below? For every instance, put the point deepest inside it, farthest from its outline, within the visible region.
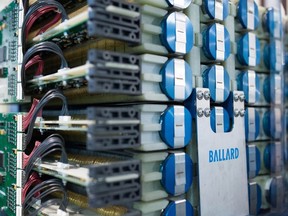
(35, 11)
(32, 57)
(31, 117)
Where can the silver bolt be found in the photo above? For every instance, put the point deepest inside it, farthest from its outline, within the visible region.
(207, 112)
(207, 95)
(236, 97)
(199, 95)
(200, 112)
(236, 112)
(242, 97)
(242, 112)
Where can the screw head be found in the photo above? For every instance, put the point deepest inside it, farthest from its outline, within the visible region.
(236, 113)
(236, 97)
(242, 112)
(207, 112)
(242, 97)
(207, 95)
(200, 112)
(199, 95)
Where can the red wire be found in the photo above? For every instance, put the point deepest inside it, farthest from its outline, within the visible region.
(36, 60)
(33, 180)
(27, 118)
(35, 16)
(27, 157)
(51, 23)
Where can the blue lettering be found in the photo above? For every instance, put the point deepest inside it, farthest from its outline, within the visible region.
(219, 155)
(228, 154)
(236, 153)
(220, 158)
(210, 156)
(232, 153)
(216, 156)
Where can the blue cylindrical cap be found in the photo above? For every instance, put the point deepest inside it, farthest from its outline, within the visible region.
(252, 124)
(272, 123)
(173, 180)
(179, 4)
(249, 83)
(177, 79)
(248, 15)
(248, 51)
(272, 87)
(211, 6)
(220, 123)
(259, 197)
(176, 127)
(254, 153)
(273, 56)
(216, 42)
(217, 80)
(272, 23)
(171, 209)
(267, 156)
(276, 194)
(177, 33)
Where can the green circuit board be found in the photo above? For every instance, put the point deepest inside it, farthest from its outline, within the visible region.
(8, 163)
(11, 90)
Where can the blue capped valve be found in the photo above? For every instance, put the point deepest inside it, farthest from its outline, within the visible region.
(272, 23)
(217, 79)
(216, 9)
(275, 192)
(253, 161)
(248, 51)
(248, 14)
(252, 124)
(219, 120)
(255, 198)
(273, 157)
(249, 83)
(182, 4)
(177, 172)
(272, 123)
(216, 42)
(176, 79)
(177, 33)
(176, 127)
(179, 207)
(272, 89)
(273, 56)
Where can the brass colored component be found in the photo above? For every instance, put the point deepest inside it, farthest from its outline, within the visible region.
(82, 202)
(89, 160)
(84, 160)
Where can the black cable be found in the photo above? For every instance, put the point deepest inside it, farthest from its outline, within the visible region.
(44, 186)
(33, 8)
(44, 194)
(50, 95)
(53, 143)
(41, 47)
(25, 5)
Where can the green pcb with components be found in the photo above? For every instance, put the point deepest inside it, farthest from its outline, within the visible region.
(8, 163)
(9, 32)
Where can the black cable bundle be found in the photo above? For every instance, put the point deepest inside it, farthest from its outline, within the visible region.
(50, 95)
(39, 5)
(46, 188)
(39, 48)
(51, 144)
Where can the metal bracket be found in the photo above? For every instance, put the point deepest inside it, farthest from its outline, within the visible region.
(222, 160)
